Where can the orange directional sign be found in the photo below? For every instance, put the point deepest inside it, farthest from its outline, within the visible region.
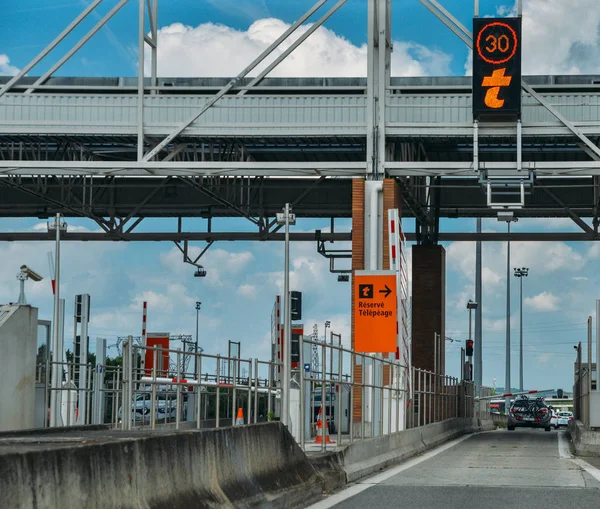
(375, 312)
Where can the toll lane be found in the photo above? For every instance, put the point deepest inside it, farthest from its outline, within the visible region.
(526, 468)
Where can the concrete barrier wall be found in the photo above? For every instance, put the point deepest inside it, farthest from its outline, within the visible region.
(585, 441)
(249, 466)
(365, 457)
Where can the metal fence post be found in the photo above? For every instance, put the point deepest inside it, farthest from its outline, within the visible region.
(234, 391)
(363, 398)
(199, 389)
(218, 393)
(249, 419)
(373, 394)
(351, 411)
(153, 406)
(255, 391)
(323, 406)
(178, 405)
(339, 394)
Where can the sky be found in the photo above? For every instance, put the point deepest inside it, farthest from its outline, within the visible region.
(218, 38)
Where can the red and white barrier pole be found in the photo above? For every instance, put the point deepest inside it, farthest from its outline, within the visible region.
(144, 315)
(512, 394)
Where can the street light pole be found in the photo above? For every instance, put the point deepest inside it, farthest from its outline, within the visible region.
(521, 273)
(508, 217)
(57, 341)
(286, 218)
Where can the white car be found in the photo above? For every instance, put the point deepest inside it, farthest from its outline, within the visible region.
(564, 418)
(554, 419)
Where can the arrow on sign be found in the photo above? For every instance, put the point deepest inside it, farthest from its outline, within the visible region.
(387, 291)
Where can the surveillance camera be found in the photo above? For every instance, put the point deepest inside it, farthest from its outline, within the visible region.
(201, 272)
(30, 273)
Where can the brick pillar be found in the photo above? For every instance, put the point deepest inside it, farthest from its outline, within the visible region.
(428, 304)
(358, 263)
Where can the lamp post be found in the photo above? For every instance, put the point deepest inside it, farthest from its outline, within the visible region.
(521, 273)
(507, 217)
(57, 342)
(196, 374)
(286, 218)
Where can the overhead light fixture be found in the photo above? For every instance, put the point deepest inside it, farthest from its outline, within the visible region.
(507, 217)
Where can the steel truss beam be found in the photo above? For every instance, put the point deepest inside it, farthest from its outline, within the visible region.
(178, 168)
(576, 219)
(541, 168)
(211, 102)
(296, 237)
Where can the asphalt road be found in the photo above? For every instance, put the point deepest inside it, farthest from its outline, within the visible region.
(527, 468)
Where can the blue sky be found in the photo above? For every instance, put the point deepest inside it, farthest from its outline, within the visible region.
(217, 37)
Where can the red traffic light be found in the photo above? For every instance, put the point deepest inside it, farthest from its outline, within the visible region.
(469, 351)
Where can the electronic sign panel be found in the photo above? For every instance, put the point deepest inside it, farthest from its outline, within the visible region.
(496, 68)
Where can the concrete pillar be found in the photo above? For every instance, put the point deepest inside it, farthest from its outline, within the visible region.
(428, 305)
(390, 198)
(18, 345)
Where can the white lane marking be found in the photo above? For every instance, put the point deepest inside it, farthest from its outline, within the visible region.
(563, 446)
(593, 471)
(384, 476)
(563, 451)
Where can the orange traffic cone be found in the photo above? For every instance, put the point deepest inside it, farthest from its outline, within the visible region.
(240, 417)
(322, 430)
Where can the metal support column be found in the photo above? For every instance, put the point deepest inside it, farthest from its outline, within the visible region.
(478, 313)
(56, 380)
(507, 372)
(140, 92)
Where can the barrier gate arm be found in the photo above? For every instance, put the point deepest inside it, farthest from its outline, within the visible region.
(509, 394)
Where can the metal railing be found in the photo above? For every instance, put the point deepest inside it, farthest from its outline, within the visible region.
(212, 399)
(437, 398)
(101, 388)
(351, 395)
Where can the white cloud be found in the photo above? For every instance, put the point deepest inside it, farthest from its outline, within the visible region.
(217, 50)
(560, 39)
(42, 227)
(594, 251)
(580, 278)
(543, 256)
(545, 301)
(221, 265)
(247, 290)
(5, 68)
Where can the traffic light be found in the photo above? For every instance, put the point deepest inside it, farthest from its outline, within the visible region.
(470, 372)
(469, 351)
(559, 393)
(296, 307)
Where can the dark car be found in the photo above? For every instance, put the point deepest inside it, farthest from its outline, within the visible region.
(532, 413)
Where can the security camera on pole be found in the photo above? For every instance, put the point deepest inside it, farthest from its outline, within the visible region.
(286, 218)
(25, 274)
